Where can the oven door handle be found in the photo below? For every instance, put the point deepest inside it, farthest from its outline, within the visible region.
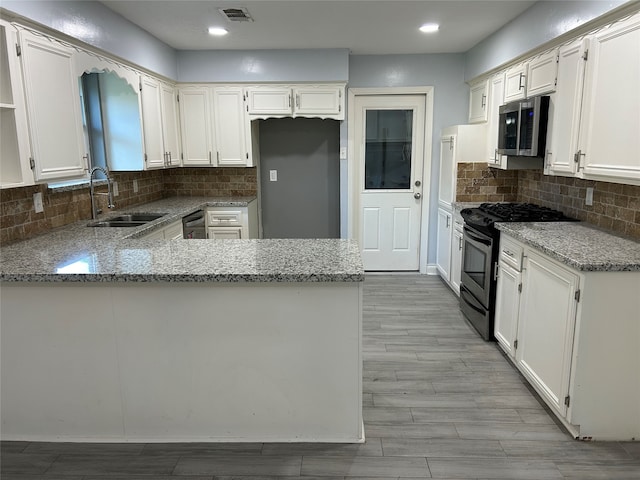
(477, 238)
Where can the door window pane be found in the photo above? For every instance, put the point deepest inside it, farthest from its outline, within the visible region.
(388, 144)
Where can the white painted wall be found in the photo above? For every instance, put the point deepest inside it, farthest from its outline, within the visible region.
(541, 23)
(321, 65)
(100, 27)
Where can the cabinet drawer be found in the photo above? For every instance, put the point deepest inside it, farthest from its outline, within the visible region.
(224, 218)
(511, 253)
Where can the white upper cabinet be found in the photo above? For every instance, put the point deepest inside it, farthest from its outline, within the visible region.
(479, 102)
(515, 83)
(150, 99)
(159, 123)
(322, 100)
(564, 110)
(15, 168)
(496, 96)
(535, 77)
(53, 104)
(541, 74)
(196, 122)
(269, 100)
(170, 125)
(610, 132)
(233, 145)
(318, 100)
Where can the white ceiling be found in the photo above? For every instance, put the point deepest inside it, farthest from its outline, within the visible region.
(362, 26)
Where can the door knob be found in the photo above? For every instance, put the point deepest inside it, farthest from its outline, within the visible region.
(417, 195)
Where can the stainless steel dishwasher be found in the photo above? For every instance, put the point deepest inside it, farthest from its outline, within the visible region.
(193, 225)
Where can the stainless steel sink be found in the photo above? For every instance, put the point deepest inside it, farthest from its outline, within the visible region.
(126, 220)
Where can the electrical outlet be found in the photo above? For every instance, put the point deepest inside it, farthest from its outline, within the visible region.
(273, 175)
(37, 202)
(114, 187)
(135, 186)
(589, 197)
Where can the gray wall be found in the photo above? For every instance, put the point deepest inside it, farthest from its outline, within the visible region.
(539, 24)
(319, 65)
(100, 27)
(445, 72)
(305, 200)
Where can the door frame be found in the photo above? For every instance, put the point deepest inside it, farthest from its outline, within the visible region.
(353, 216)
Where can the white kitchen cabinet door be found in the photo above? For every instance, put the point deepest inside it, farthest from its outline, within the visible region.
(564, 110)
(515, 83)
(456, 257)
(152, 129)
(495, 102)
(507, 307)
(541, 74)
(443, 248)
(15, 170)
(323, 101)
(609, 137)
(231, 127)
(448, 166)
(269, 100)
(53, 103)
(170, 125)
(222, 233)
(479, 102)
(546, 327)
(173, 231)
(196, 126)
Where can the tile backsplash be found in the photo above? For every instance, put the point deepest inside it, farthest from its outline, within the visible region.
(616, 207)
(18, 220)
(478, 183)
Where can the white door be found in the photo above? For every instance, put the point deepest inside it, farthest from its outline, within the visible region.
(389, 148)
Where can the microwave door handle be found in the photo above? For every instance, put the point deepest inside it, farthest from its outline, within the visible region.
(478, 239)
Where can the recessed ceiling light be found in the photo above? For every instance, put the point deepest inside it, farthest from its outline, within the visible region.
(429, 28)
(217, 31)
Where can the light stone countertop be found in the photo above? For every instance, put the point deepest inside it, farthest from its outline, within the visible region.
(578, 245)
(77, 253)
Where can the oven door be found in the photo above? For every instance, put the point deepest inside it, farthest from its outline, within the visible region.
(477, 264)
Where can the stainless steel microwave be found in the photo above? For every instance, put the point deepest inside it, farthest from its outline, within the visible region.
(522, 127)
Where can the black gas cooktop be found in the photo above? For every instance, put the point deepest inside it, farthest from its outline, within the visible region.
(484, 216)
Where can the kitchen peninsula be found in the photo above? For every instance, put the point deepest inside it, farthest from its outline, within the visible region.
(107, 336)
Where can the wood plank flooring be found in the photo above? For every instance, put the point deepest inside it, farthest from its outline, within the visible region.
(438, 403)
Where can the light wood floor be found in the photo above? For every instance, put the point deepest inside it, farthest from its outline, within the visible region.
(438, 403)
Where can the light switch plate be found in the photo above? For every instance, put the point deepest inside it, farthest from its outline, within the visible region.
(273, 175)
(37, 202)
(114, 186)
(343, 153)
(135, 186)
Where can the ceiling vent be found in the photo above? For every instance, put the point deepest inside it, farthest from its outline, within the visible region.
(239, 14)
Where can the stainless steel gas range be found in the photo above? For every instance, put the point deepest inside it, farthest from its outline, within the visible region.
(480, 256)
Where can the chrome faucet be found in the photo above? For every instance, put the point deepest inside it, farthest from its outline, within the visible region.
(95, 211)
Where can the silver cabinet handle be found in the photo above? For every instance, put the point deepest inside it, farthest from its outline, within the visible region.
(297, 101)
(448, 222)
(459, 243)
(520, 85)
(209, 158)
(484, 101)
(508, 253)
(289, 100)
(417, 195)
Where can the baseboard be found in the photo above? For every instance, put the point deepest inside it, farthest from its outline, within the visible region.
(432, 269)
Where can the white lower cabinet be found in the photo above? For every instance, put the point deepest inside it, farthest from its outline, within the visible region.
(456, 255)
(545, 328)
(443, 248)
(232, 222)
(575, 337)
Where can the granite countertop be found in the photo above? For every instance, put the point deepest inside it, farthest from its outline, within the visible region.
(77, 253)
(578, 245)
